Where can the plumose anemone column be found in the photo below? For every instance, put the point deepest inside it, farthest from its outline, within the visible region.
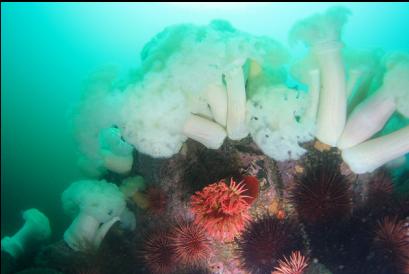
(216, 96)
(236, 103)
(206, 132)
(372, 114)
(35, 230)
(86, 232)
(369, 155)
(332, 108)
(322, 33)
(314, 91)
(367, 119)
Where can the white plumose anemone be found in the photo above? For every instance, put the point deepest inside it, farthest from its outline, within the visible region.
(36, 229)
(95, 207)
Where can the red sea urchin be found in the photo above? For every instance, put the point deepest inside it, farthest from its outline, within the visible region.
(392, 243)
(221, 209)
(264, 242)
(321, 193)
(159, 254)
(295, 265)
(190, 243)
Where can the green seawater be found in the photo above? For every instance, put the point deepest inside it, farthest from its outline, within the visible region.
(48, 49)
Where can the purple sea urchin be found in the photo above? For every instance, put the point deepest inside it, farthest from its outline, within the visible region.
(264, 242)
(321, 193)
(392, 243)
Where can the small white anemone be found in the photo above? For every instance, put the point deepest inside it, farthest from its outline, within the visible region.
(35, 230)
(95, 207)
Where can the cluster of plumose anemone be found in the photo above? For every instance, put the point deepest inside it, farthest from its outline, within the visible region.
(213, 82)
(209, 83)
